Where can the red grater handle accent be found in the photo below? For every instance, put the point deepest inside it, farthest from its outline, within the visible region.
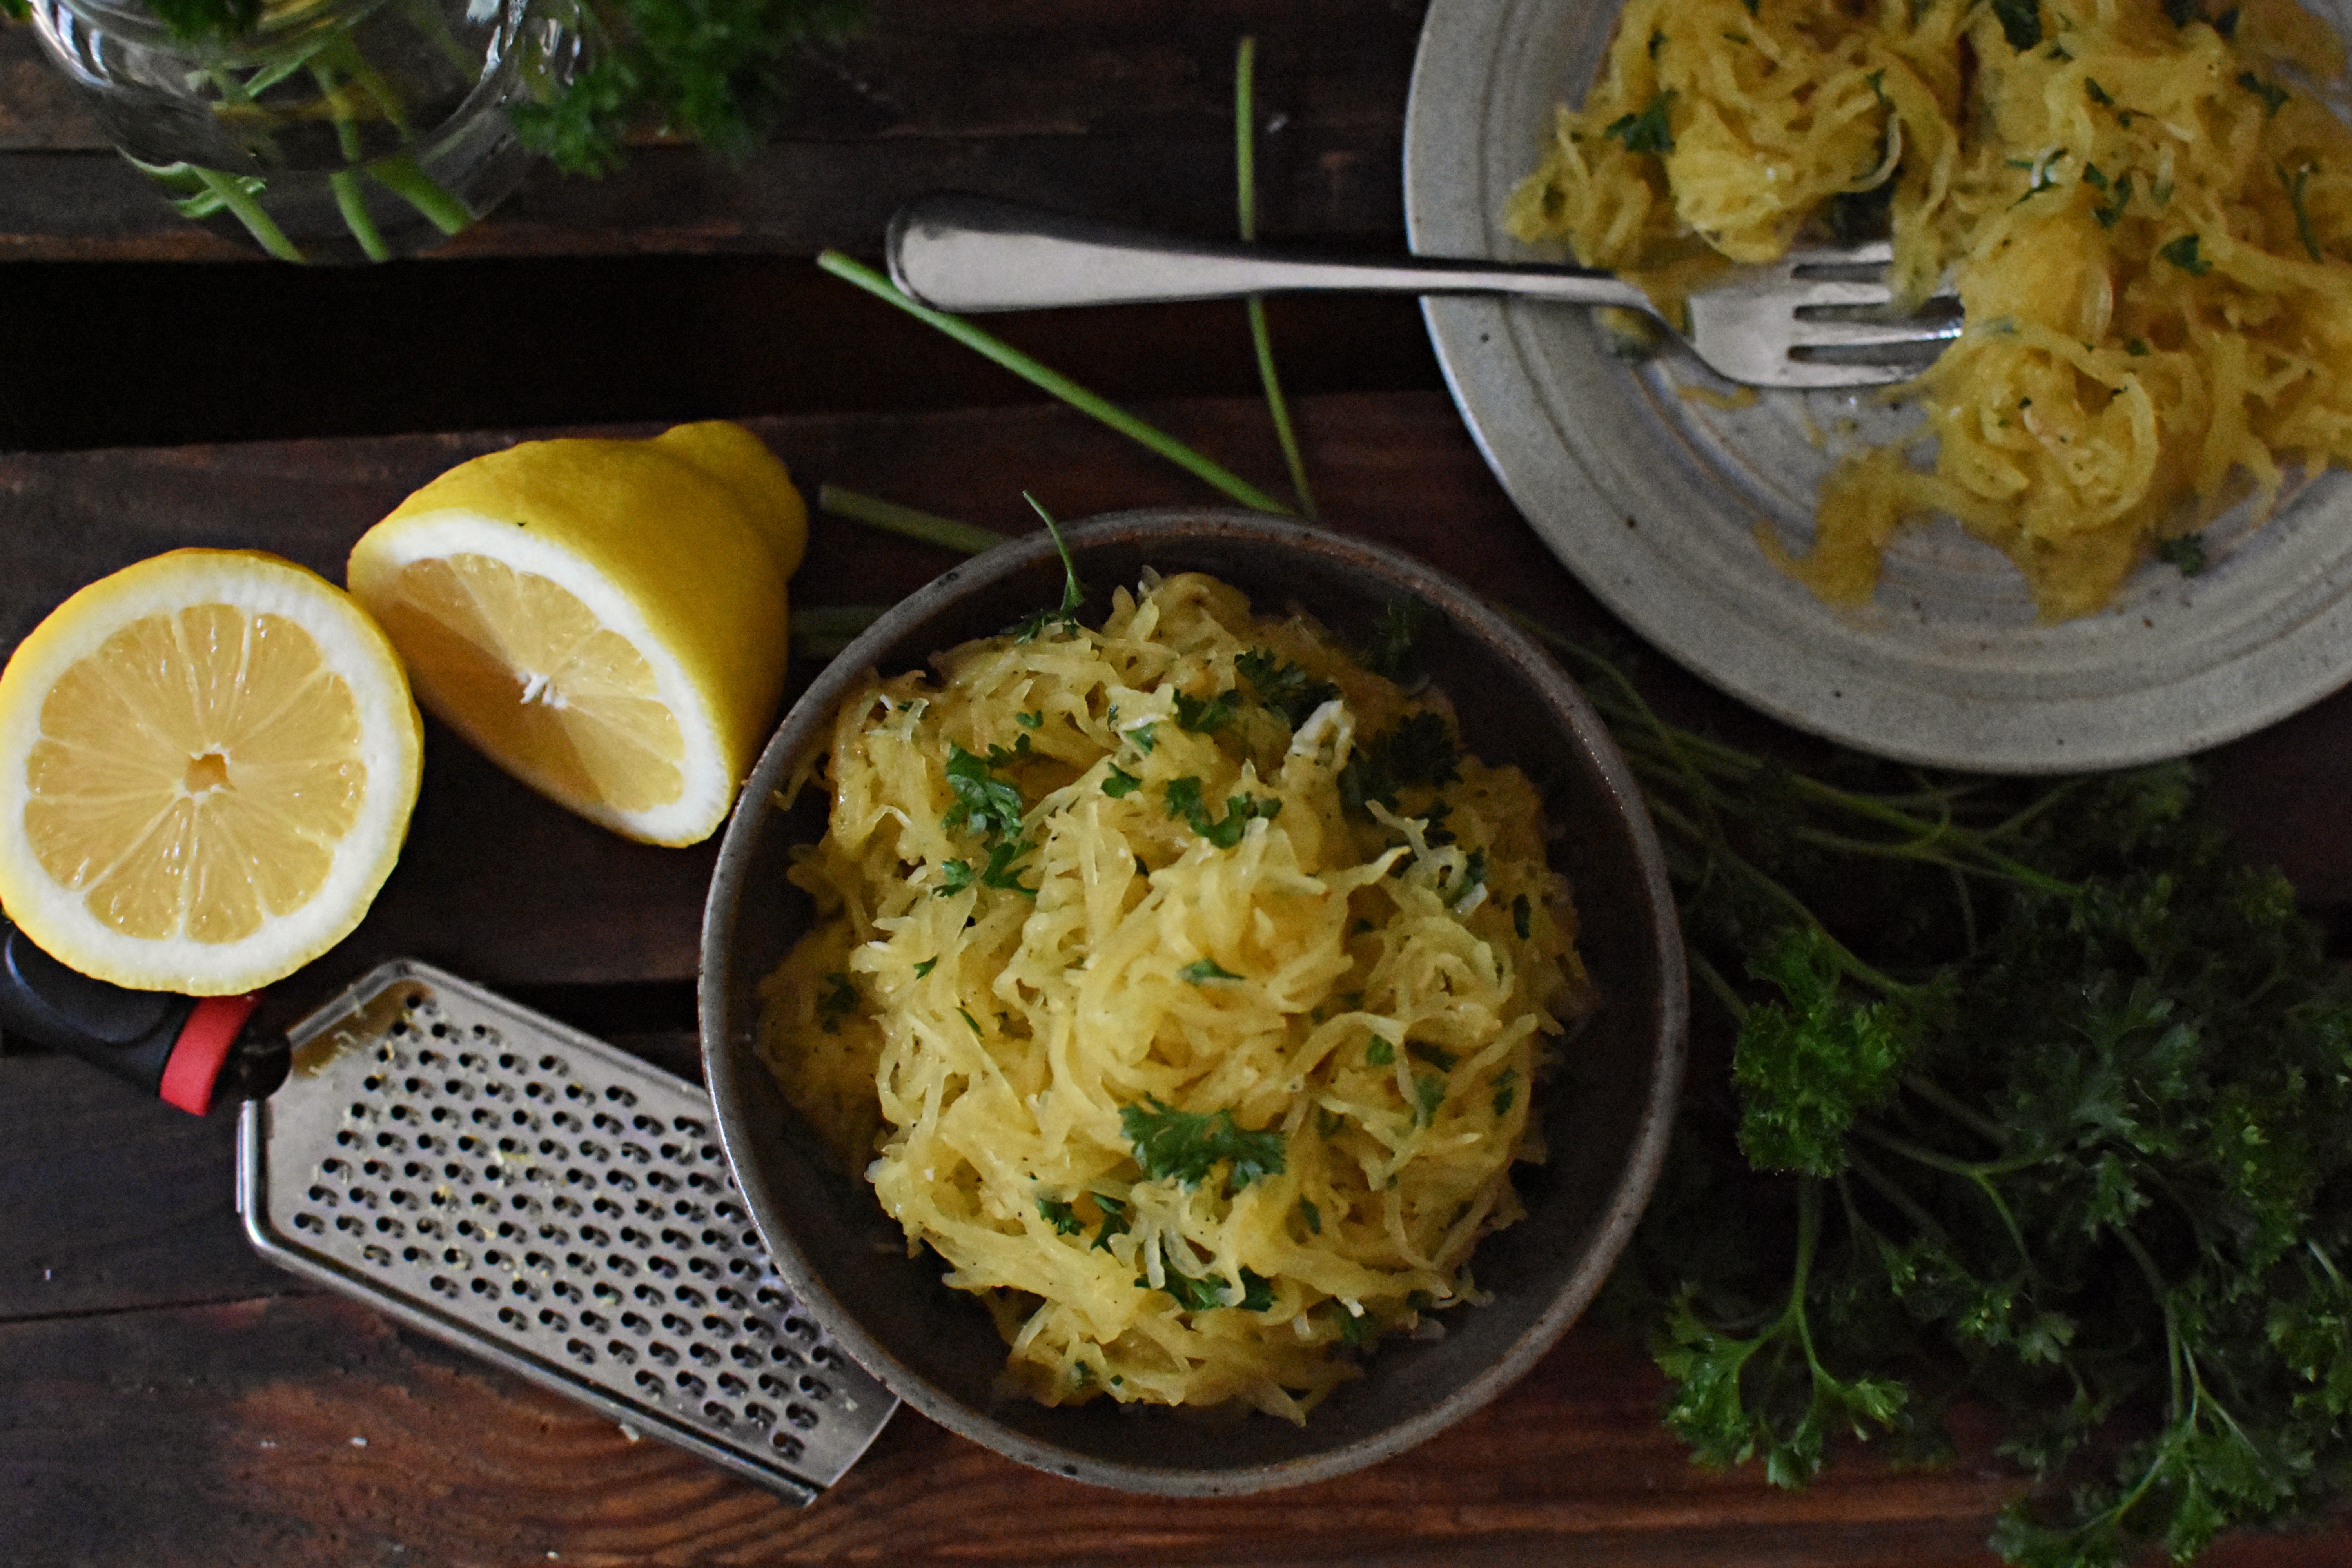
(194, 1065)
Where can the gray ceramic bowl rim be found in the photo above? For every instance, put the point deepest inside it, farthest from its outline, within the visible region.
(808, 723)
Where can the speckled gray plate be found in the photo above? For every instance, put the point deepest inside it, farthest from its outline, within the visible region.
(1653, 498)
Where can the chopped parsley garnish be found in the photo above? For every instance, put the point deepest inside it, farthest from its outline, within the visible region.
(1435, 1056)
(1143, 737)
(2098, 94)
(1419, 749)
(1186, 1145)
(1206, 1292)
(923, 970)
(1312, 1216)
(1506, 1090)
(1200, 972)
(2118, 195)
(2045, 174)
(1395, 651)
(2020, 21)
(1644, 132)
(1201, 715)
(836, 1002)
(2183, 552)
(2182, 253)
(1283, 687)
(1379, 1053)
(1184, 797)
(977, 1031)
(1115, 1220)
(2274, 95)
(983, 801)
(1428, 1093)
(2294, 183)
(1118, 783)
(1061, 1216)
(1000, 871)
(1029, 720)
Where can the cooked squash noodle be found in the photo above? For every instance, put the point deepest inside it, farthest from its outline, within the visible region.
(2149, 223)
(1093, 884)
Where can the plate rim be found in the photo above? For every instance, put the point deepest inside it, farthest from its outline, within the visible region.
(1826, 682)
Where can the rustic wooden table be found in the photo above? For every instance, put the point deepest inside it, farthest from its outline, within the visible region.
(167, 1398)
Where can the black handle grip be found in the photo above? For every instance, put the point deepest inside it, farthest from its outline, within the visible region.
(183, 1048)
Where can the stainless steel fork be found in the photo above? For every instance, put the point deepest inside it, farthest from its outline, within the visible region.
(1800, 323)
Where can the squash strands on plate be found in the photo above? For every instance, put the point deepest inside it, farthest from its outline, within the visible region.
(2147, 214)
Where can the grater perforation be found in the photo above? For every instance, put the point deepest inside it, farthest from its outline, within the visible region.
(528, 1193)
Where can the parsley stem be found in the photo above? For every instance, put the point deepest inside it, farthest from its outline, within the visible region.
(965, 538)
(1887, 1187)
(2174, 1355)
(1951, 1105)
(249, 212)
(990, 347)
(1980, 1174)
(352, 205)
(405, 178)
(1712, 978)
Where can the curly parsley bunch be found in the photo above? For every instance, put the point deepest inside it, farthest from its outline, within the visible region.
(718, 72)
(2040, 1097)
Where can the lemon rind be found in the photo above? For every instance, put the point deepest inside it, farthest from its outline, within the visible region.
(349, 644)
(709, 789)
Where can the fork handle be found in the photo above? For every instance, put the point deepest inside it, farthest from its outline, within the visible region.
(968, 253)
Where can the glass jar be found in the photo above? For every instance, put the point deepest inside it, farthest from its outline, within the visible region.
(331, 129)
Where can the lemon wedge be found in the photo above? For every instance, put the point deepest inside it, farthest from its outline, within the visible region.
(604, 619)
(207, 762)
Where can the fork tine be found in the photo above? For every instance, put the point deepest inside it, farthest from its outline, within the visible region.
(1871, 253)
(1838, 293)
(1819, 334)
(1823, 374)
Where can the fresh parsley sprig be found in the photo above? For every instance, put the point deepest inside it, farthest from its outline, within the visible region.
(1189, 1145)
(2041, 1099)
(718, 72)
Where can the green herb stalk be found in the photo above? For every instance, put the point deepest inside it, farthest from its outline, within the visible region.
(2054, 1096)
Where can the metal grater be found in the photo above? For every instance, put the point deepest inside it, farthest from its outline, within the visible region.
(525, 1192)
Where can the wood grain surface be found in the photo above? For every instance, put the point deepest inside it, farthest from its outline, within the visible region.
(1122, 109)
(167, 1398)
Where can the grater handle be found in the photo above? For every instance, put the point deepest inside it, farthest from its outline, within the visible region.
(182, 1049)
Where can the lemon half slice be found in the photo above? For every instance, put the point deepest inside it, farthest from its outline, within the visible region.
(207, 764)
(605, 620)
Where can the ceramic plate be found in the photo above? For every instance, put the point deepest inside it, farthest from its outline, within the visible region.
(1652, 491)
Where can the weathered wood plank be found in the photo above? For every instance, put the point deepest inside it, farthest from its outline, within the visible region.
(1120, 109)
(498, 886)
(302, 1430)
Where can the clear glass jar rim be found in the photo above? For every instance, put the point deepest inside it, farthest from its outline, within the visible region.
(279, 19)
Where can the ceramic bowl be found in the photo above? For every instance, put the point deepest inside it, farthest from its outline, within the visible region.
(1606, 1114)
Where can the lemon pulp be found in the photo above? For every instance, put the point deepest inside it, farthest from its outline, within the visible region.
(195, 774)
(208, 761)
(587, 722)
(604, 619)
